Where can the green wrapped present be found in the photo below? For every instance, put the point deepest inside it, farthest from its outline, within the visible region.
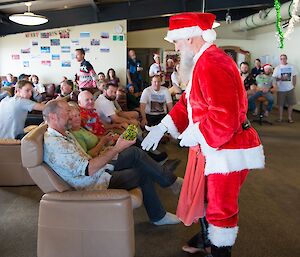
(130, 133)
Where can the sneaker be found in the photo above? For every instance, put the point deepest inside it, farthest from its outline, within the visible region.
(160, 157)
(168, 219)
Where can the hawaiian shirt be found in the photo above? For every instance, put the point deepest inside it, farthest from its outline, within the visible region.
(66, 157)
(90, 120)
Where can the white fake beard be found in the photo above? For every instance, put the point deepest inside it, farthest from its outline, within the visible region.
(186, 65)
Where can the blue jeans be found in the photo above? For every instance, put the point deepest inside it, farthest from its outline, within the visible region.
(134, 168)
(253, 98)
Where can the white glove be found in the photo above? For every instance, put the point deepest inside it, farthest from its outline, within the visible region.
(189, 136)
(153, 137)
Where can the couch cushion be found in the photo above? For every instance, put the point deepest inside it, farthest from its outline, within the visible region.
(32, 147)
(47, 180)
(32, 158)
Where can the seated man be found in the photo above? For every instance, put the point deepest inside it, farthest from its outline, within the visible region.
(107, 110)
(9, 82)
(40, 88)
(14, 110)
(36, 96)
(66, 90)
(247, 79)
(91, 121)
(132, 168)
(101, 77)
(155, 103)
(133, 102)
(266, 86)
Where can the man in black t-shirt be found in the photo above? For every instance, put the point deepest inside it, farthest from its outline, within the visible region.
(247, 78)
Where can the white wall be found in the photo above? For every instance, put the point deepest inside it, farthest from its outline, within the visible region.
(260, 42)
(116, 58)
(154, 38)
(266, 45)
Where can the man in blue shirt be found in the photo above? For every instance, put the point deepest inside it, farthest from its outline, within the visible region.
(134, 76)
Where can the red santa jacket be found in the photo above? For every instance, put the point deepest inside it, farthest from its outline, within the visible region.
(214, 108)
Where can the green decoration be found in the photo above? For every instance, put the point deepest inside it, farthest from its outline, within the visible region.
(130, 133)
(278, 24)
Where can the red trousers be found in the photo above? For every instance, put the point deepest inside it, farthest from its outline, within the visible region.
(222, 191)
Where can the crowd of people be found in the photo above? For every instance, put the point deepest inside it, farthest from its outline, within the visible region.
(87, 117)
(264, 81)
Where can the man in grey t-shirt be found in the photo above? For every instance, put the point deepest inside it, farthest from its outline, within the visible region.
(14, 110)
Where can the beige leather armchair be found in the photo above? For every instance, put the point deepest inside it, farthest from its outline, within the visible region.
(12, 172)
(78, 223)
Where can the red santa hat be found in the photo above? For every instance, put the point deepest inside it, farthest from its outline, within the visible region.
(268, 66)
(192, 24)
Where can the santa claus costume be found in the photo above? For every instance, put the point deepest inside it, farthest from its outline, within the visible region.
(210, 118)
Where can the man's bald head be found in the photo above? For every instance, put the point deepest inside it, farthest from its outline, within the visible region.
(86, 100)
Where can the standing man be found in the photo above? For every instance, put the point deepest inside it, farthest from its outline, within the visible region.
(210, 118)
(134, 76)
(86, 78)
(257, 68)
(156, 68)
(285, 75)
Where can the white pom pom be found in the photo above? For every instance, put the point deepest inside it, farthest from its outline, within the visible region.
(209, 35)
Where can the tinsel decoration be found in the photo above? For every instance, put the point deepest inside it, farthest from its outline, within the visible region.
(295, 18)
(279, 33)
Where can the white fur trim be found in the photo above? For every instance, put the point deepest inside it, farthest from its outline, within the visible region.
(183, 33)
(205, 148)
(209, 35)
(169, 123)
(231, 160)
(228, 160)
(221, 237)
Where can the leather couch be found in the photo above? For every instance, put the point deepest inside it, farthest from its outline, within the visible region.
(12, 172)
(78, 223)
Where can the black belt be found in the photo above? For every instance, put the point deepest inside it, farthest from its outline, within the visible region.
(246, 124)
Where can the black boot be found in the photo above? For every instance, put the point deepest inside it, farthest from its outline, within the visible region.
(220, 251)
(200, 240)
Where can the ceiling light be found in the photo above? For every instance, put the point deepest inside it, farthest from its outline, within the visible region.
(28, 18)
